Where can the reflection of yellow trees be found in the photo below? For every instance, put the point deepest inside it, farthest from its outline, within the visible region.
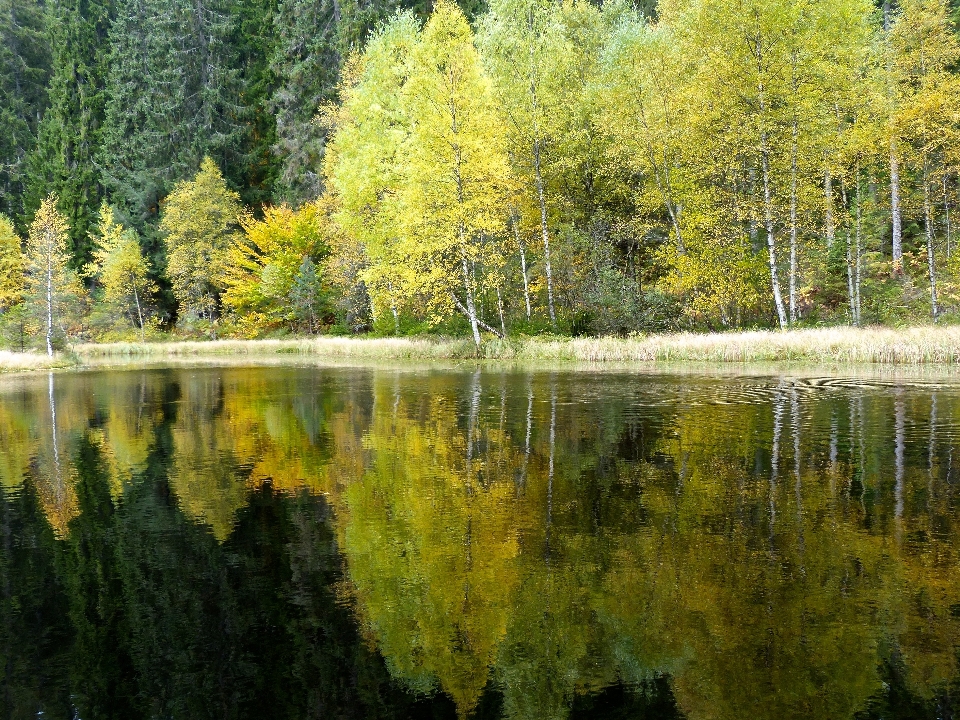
(236, 430)
(429, 530)
(557, 567)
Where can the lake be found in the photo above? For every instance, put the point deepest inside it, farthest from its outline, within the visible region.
(307, 542)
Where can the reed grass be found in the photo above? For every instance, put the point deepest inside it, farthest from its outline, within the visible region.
(907, 346)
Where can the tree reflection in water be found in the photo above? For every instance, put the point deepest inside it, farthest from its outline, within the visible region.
(384, 543)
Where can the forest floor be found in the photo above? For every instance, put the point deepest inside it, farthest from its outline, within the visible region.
(839, 345)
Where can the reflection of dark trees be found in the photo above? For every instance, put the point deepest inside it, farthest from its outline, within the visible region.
(140, 612)
(34, 630)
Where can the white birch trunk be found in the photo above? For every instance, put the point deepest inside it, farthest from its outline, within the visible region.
(793, 222)
(50, 250)
(946, 215)
(828, 205)
(857, 247)
(928, 230)
(544, 230)
(771, 238)
(851, 291)
(471, 308)
(523, 262)
(503, 325)
(895, 215)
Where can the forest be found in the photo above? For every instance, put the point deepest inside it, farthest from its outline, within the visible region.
(260, 168)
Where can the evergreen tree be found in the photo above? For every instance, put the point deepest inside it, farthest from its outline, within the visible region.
(173, 97)
(69, 134)
(306, 63)
(24, 71)
(306, 296)
(254, 42)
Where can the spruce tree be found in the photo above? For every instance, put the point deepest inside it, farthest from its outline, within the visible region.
(254, 44)
(69, 134)
(24, 72)
(306, 63)
(173, 96)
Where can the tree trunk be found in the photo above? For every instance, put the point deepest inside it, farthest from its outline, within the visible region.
(544, 230)
(523, 261)
(768, 208)
(393, 310)
(895, 217)
(50, 248)
(136, 297)
(828, 204)
(503, 325)
(946, 215)
(771, 239)
(471, 308)
(793, 222)
(928, 229)
(857, 247)
(466, 313)
(851, 291)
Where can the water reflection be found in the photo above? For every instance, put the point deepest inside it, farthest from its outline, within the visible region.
(384, 543)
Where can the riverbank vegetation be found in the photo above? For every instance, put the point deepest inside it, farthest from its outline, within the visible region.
(833, 346)
(274, 168)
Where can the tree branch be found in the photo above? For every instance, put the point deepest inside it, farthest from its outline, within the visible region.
(481, 323)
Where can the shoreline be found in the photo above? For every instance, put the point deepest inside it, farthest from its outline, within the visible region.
(914, 346)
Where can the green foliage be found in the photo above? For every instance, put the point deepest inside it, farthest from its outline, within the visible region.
(69, 135)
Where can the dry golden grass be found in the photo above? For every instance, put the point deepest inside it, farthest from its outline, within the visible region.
(908, 346)
(843, 345)
(23, 362)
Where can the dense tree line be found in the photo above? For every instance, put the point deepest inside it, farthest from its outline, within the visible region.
(510, 167)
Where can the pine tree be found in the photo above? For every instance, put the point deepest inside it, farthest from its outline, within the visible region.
(24, 73)
(69, 134)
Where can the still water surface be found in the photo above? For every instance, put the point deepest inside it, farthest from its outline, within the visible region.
(381, 543)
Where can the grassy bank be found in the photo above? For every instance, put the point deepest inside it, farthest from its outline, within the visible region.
(30, 361)
(912, 346)
(909, 346)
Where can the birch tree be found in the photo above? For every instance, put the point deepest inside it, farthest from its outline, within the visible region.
(199, 221)
(49, 283)
(364, 158)
(457, 172)
(522, 46)
(419, 163)
(925, 48)
(120, 269)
